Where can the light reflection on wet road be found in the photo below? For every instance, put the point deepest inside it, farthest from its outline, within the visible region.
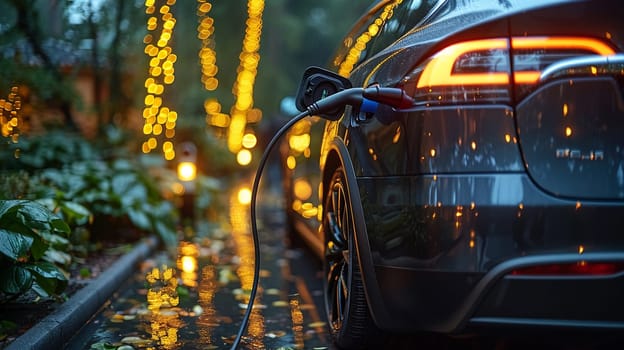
(197, 300)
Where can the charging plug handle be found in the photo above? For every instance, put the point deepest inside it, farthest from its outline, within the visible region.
(393, 97)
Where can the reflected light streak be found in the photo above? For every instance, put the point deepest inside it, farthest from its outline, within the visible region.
(208, 319)
(244, 249)
(162, 297)
(297, 321)
(363, 39)
(187, 263)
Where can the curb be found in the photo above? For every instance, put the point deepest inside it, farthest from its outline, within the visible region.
(58, 327)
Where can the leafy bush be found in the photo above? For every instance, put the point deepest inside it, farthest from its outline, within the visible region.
(118, 194)
(29, 235)
(52, 150)
(68, 169)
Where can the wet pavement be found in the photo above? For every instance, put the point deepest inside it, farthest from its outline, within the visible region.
(196, 297)
(197, 300)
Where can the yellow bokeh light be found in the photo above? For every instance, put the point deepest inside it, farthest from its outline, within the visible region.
(187, 171)
(249, 140)
(212, 106)
(167, 146)
(243, 157)
(302, 189)
(221, 120)
(152, 143)
(205, 7)
(177, 188)
(244, 195)
(254, 115)
(299, 142)
(157, 117)
(189, 263)
(291, 162)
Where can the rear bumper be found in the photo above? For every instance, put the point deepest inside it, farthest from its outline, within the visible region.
(441, 301)
(593, 302)
(441, 250)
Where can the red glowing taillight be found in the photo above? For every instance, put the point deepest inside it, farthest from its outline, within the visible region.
(581, 268)
(485, 70)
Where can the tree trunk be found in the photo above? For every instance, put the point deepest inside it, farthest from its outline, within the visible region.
(28, 23)
(115, 86)
(95, 66)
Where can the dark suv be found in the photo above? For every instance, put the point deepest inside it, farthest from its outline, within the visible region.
(497, 198)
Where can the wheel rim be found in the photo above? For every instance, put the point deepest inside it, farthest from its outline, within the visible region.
(338, 226)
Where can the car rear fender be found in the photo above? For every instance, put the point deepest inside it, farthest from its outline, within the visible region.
(338, 156)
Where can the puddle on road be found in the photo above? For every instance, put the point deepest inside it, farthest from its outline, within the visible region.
(197, 299)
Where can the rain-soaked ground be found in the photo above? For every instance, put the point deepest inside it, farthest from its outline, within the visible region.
(197, 300)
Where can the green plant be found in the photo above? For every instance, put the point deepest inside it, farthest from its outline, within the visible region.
(54, 149)
(70, 174)
(119, 194)
(77, 217)
(29, 232)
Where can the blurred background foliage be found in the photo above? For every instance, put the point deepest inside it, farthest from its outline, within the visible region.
(72, 91)
(46, 47)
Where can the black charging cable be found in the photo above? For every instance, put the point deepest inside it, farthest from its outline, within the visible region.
(254, 226)
(365, 99)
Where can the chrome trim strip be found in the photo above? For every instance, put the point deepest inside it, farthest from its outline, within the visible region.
(585, 65)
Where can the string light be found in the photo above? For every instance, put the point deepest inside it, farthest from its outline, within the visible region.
(247, 70)
(10, 120)
(159, 120)
(208, 63)
(207, 54)
(242, 112)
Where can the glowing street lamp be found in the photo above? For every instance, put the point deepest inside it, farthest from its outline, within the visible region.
(187, 173)
(187, 156)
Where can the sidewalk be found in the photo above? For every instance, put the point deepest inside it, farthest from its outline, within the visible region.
(57, 328)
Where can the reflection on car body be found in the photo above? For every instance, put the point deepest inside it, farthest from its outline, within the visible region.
(498, 197)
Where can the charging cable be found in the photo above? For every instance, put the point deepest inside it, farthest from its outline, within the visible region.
(366, 100)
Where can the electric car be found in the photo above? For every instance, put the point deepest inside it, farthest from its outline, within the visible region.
(496, 199)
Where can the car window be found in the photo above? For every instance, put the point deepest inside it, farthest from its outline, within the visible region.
(406, 16)
(383, 24)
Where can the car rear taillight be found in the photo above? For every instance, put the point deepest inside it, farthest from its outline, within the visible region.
(571, 269)
(484, 71)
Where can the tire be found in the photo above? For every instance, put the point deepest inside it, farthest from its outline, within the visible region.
(350, 322)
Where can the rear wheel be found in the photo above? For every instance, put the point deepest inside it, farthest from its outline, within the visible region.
(350, 322)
